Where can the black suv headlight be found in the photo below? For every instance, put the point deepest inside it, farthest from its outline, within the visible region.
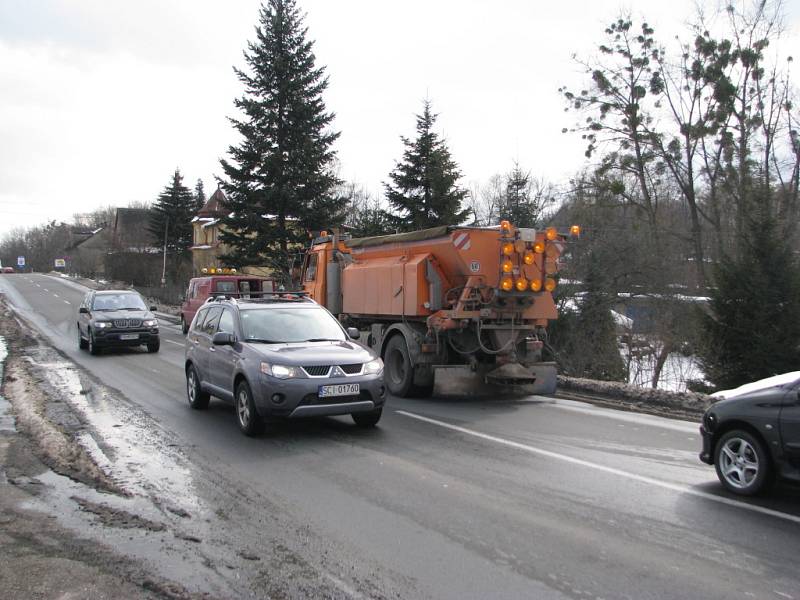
(150, 322)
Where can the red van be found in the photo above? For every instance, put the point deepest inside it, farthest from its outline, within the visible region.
(201, 288)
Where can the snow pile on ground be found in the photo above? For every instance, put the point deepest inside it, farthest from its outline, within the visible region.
(687, 401)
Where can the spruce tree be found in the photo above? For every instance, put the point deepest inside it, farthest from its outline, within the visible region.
(423, 191)
(172, 213)
(592, 349)
(752, 329)
(280, 181)
(517, 204)
(199, 195)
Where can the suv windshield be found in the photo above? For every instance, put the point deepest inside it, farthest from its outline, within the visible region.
(118, 302)
(285, 325)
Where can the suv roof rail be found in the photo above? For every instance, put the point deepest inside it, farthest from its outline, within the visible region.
(284, 295)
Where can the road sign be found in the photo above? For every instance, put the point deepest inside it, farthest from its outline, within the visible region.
(20, 261)
(60, 263)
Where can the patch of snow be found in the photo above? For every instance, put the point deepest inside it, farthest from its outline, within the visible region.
(621, 320)
(678, 369)
(762, 384)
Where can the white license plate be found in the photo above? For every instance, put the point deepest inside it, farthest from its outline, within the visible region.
(343, 389)
(129, 336)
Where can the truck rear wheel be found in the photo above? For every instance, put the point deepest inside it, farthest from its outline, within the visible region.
(399, 371)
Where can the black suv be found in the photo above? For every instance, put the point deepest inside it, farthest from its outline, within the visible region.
(116, 318)
(280, 356)
(752, 434)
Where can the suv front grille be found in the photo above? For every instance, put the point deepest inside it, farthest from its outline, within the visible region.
(127, 323)
(351, 369)
(317, 370)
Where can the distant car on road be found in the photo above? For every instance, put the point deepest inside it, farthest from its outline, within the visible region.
(116, 318)
(8, 270)
(202, 288)
(752, 434)
(281, 355)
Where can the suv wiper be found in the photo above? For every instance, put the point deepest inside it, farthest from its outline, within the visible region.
(130, 308)
(264, 341)
(323, 340)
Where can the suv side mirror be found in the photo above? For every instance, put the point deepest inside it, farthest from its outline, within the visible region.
(83, 310)
(223, 338)
(353, 333)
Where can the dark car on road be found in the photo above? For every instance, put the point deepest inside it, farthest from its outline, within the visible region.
(752, 434)
(280, 356)
(116, 318)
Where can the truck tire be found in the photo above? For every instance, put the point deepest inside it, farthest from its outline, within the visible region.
(399, 371)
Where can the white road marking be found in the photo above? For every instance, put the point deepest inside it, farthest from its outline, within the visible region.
(56, 295)
(67, 302)
(37, 285)
(45, 289)
(176, 343)
(675, 487)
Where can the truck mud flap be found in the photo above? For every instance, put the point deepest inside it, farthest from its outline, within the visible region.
(462, 382)
(536, 379)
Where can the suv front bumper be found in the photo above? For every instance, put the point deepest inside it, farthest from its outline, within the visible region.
(294, 398)
(117, 337)
(706, 455)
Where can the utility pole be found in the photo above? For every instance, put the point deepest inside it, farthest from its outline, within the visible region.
(164, 268)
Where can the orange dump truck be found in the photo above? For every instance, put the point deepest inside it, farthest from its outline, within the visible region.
(471, 298)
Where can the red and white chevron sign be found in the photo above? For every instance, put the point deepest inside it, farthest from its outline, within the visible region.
(461, 240)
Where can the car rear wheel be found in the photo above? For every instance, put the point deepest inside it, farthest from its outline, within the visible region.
(154, 347)
(198, 399)
(399, 372)
(742, 463)
(82, 344)
(184, 325)
(250, 422)
(93, 349)
(368, 419)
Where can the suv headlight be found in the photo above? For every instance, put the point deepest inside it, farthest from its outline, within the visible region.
(280, 371)
(102, 324)
(150, 322)
(373, 367)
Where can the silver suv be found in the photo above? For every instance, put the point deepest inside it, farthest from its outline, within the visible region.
(282, 355)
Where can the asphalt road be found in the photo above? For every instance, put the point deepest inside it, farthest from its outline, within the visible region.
(457, 498)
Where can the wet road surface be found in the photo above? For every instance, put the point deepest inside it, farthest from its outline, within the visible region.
(454, 498)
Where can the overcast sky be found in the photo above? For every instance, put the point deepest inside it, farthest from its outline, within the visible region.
(100, 100)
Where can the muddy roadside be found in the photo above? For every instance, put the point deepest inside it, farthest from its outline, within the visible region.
(99, 501)
(40, 558)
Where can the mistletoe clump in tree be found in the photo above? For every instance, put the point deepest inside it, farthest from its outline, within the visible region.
(423, 191)
(280, 181)
(171, 217)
